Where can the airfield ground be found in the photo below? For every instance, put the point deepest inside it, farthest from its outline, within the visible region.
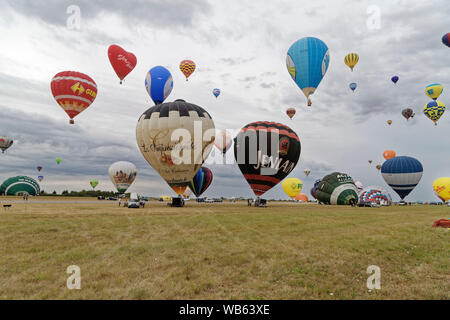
(222, 251)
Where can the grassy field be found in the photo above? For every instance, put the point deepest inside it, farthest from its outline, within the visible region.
(222, 251)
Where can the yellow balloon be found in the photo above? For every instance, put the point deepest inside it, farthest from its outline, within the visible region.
(351, 60)
(441, 187)
(292, 186)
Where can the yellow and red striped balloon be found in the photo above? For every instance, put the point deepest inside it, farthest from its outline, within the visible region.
(187, 67)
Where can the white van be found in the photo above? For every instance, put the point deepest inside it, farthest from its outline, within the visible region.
(134, 201)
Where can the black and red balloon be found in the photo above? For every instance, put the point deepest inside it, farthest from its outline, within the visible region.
(266, 152)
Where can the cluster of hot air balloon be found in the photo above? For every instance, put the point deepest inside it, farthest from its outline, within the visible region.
(180, 162)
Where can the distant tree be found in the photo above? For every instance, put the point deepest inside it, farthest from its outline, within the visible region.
(65, 192)
(54, 192)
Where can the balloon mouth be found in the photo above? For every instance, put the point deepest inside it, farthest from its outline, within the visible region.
(71, 121)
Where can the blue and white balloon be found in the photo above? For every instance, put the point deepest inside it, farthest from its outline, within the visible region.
(353, 86)
(216, 92)
(402, 174)
(159, 84)
(307, 61)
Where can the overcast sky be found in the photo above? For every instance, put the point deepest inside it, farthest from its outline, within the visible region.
(239, 47)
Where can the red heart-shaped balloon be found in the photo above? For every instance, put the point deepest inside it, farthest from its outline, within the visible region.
(122, 61)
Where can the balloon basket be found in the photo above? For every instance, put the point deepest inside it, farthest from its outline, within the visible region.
(71, 121)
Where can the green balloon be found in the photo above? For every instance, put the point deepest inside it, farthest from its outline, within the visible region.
(94, 183)
(58, 160)
(337, 188)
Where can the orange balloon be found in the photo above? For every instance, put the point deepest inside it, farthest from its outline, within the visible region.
(388, 154)
(301, 196)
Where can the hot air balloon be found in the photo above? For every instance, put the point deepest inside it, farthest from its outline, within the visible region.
(307, 172)
(337, 188)
(167, 141)
(441, 187)
(389, 122)
(158, 83)
(290, 112)
(122, 175)
(353, 86)
(434, 90)
(201, 181)
(402, 174)
(5, 143)
(378, 166)
(266, 152)
(358, 185)
(123, 62)
(187, 67)
(388, 154)
(370, 161)
(74, 92)
(301, 197)
(351, 60)
(39, 168)
(408, 113)
(93, 183)
(292, 186)
(307, 61)
(40, 178)
(223, 141)
(394, 79)
(58, 160)
(446, 39)
(216, 92)
(374, 194)
(434, 111)
(314, 188)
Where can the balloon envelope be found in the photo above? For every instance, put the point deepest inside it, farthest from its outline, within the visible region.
(290, 112)
(434, 90)
(351, 60)
(314, 188)
(187, 67)
(58, 160)
(374, 194)
(394, 79)
(158, 83)
(307, 62)
(301, 197)
(441, 187)
(434, 110)
(176, 161)
(123, 62)
(353, 86)
(402, 174)
(5, 143)
(388, 154)
(358, 185)
(223, 141)
(307, 172)
(337, 188)
(266, 152)
(93, 183)
(292, 186)
(408, 113)
(122, 175)
(201, 181)
(40, 178)
(216, 92)
(446, 39)
(73, 91)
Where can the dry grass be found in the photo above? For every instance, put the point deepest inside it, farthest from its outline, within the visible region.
(222, 251)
